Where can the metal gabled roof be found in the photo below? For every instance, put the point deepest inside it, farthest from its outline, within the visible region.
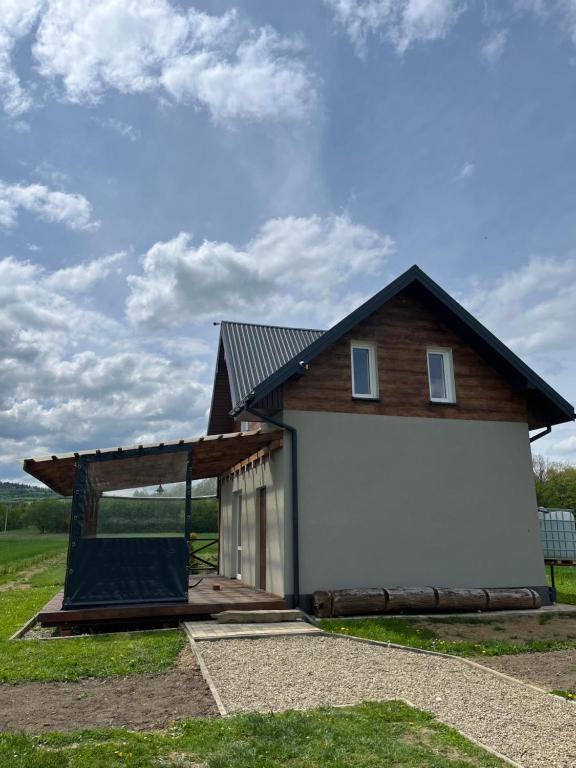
(255, 352)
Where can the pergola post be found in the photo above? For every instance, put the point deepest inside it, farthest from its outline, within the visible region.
(188, 500)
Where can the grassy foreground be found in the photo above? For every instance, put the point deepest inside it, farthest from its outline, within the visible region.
(412, 633)
(99, 656)
(366, 736)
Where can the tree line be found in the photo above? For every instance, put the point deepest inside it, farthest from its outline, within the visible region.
(555, 483)
(115, 515)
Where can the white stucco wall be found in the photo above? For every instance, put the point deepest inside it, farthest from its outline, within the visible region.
(269, 473)
(390, 500)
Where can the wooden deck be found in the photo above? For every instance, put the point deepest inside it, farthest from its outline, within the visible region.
(203, 600)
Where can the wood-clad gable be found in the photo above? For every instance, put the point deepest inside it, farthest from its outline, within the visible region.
(403, 328)
(220, 421)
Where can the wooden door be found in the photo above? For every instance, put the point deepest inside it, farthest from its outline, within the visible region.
(262, 549)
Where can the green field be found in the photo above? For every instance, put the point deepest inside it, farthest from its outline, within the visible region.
(366, 736)
(22, 549)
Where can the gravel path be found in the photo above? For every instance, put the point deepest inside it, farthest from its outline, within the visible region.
(526, 725)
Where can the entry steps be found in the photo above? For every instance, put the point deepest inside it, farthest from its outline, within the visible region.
(263, 623)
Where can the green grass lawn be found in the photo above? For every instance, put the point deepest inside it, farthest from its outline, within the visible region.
(19, 605)
(366, 736)
(565, 577)
(98, 656)
(414, 634)
(23, 549)
(50, 576)
(69, 659)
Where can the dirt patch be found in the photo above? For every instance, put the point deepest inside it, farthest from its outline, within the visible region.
(429, 738)
(138, 702)
(512, 629)
(21, 577)
(555, 670)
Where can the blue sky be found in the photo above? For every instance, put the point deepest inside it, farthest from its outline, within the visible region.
(164, 165)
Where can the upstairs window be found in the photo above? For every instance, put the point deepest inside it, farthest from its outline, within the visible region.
(364, 370)
(441, 376)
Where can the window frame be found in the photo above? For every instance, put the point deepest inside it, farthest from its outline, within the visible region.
(449, 382)
(372, 369)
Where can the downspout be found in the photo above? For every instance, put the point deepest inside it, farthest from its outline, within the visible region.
(294, 460)
(541, 434)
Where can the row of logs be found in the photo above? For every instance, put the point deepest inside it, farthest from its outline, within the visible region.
(363, 602)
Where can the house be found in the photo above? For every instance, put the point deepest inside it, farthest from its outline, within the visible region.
(406, 453)
(392, 450)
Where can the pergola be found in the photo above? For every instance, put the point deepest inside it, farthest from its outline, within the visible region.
(109, 569)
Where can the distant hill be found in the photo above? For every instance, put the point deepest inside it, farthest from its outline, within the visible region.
(23, 492)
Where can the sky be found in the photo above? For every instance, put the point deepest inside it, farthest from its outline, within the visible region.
(165, 165)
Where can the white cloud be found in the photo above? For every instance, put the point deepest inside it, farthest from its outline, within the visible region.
(293, 266)
(566, 446)
(561, 11)
(567, 13)
(72, 377)
(83, 276)
(16, 20)
(401, 22)
(263, 81)
(137, 46)
(493, 48)
(123, 129)
(72, 210)
(534, 308)
(538, 7)
(467, 170)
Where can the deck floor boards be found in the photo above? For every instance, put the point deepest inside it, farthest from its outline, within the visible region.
(203, 600)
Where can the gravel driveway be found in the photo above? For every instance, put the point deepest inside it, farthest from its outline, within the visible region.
(526, 725)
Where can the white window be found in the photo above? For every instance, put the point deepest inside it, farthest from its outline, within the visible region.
(364, 370)
(441, 376)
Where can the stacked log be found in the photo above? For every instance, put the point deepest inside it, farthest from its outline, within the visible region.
(420, 599)
(512, 599)
(358, 602)
(378, 600)
(461, 599)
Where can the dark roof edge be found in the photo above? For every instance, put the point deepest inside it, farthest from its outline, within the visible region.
(413, 274)
(269, 325)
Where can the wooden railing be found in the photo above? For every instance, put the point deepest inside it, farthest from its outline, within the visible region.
(201, 564)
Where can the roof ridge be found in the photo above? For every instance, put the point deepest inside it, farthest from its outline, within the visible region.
(268, 325)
